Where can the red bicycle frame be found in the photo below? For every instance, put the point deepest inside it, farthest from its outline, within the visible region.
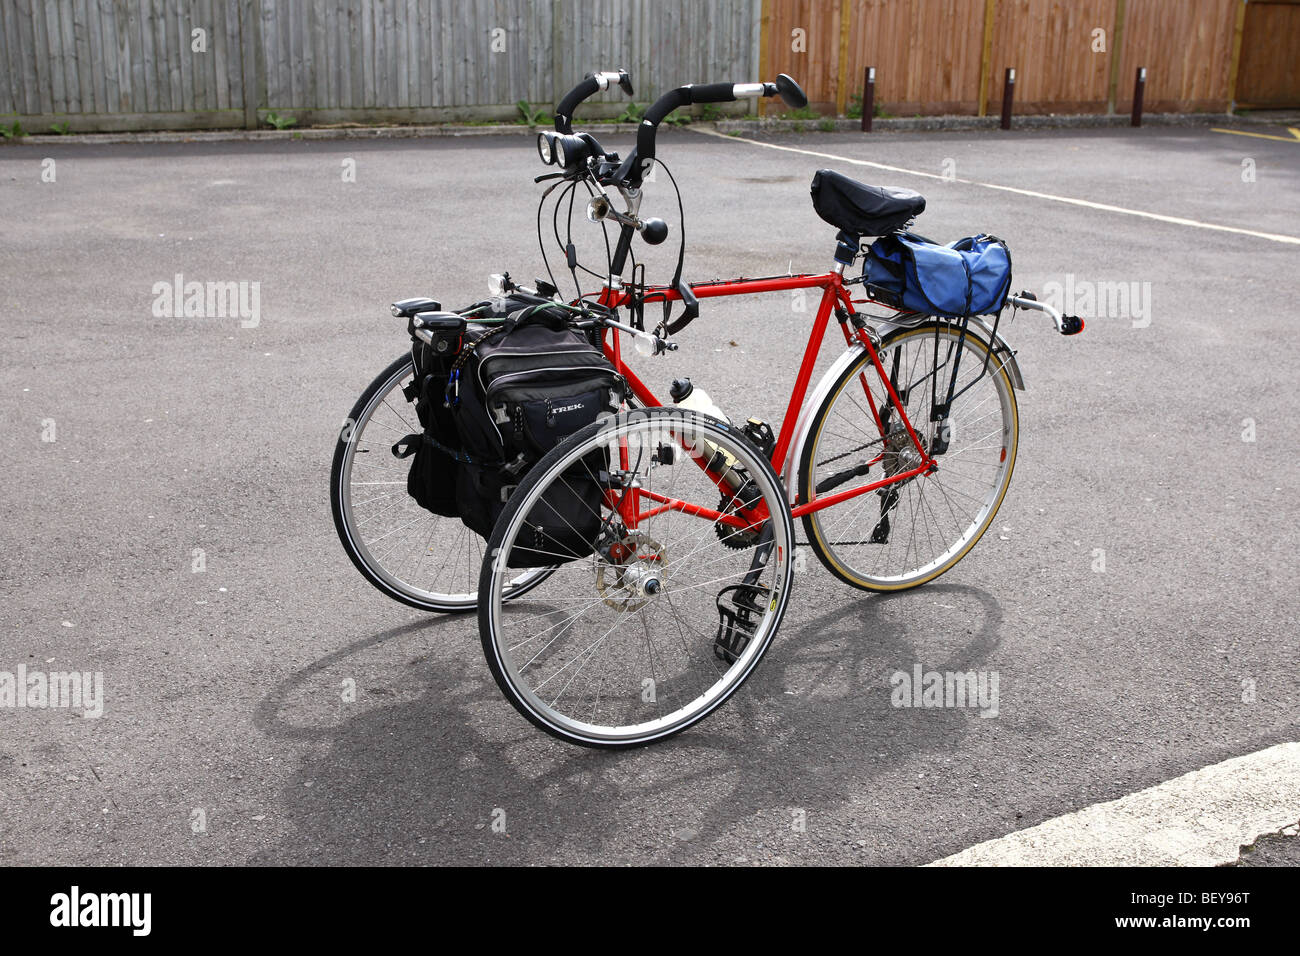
(835, 299)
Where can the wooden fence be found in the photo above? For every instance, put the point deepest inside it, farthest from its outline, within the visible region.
(1269, 73)
(139, 64)
(190, 64)
(1070, 56)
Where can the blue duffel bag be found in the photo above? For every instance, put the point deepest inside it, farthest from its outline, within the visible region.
(971, 276)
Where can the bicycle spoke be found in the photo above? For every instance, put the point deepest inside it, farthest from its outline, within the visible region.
(623, 639)
(913, 530)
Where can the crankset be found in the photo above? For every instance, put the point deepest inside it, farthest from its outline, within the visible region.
(739, 539)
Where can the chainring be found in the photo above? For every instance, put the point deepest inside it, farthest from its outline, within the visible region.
(731, 536)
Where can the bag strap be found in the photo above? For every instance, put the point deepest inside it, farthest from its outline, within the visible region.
(549, 314)
(451, 394)
(408, 445)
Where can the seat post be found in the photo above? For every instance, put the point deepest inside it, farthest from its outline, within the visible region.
(846, 250)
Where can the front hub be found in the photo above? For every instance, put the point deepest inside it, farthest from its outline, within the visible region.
(634, 574)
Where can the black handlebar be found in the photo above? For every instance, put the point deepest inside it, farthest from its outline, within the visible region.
(591, 84)
(638, 163)
(582, 156)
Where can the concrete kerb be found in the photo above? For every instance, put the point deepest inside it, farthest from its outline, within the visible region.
(769, 126)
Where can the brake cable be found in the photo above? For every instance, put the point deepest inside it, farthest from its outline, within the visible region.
(681, 244)
(609, 255)
(541, 245)
(563, 244)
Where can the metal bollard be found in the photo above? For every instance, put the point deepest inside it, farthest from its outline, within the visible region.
(1008, 94)
(868, 98)
(1139, 88)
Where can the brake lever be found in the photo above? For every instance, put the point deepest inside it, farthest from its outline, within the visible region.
(544, 178)
(690, 311)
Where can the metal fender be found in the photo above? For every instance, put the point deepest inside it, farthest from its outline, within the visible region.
(1001, 348)
(803, 425)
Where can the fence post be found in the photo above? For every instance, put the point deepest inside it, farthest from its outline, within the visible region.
(986, 56)
(1139, 87)
(557, 56)
(1008, 94)
(1235, 65)
(842, 73)
(1116, 49)
(868, 99)
(252, 72)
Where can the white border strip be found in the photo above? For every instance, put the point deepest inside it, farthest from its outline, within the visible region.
(1203, 818)
(1086, 203)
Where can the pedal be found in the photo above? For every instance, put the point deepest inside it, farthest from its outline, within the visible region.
(760, 435)
(888, 501)
(880, 533)
(737, 606)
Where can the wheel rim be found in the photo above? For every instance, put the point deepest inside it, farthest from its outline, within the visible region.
(595, 668)
(933, 520)
(425, 558)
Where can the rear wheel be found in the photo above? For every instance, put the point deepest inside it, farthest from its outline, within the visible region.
(910, 532)
(416, 557)
(671, 596)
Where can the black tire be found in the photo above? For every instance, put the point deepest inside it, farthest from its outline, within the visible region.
(450, 529)
(840, 565)
(559, 462)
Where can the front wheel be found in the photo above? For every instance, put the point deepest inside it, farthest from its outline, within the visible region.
(908, 533)
(673, 541)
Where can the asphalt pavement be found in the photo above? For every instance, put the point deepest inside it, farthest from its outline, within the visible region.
(1136, 597)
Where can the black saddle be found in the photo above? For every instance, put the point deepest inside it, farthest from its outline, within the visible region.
(860, 209)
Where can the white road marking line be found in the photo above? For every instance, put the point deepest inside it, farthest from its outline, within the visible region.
(1086, 203)
(1202, 818)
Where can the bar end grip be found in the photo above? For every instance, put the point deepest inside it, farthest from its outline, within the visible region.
(791, 92)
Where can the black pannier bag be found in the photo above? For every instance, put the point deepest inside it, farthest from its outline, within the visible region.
(515, 391)
(435, 450)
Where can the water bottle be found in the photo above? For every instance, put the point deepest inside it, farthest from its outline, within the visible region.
(686, 395)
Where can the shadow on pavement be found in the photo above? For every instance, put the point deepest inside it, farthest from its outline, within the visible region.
(422, 779)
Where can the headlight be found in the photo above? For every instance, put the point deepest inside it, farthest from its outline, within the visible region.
(570, 151)
(546, 147)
